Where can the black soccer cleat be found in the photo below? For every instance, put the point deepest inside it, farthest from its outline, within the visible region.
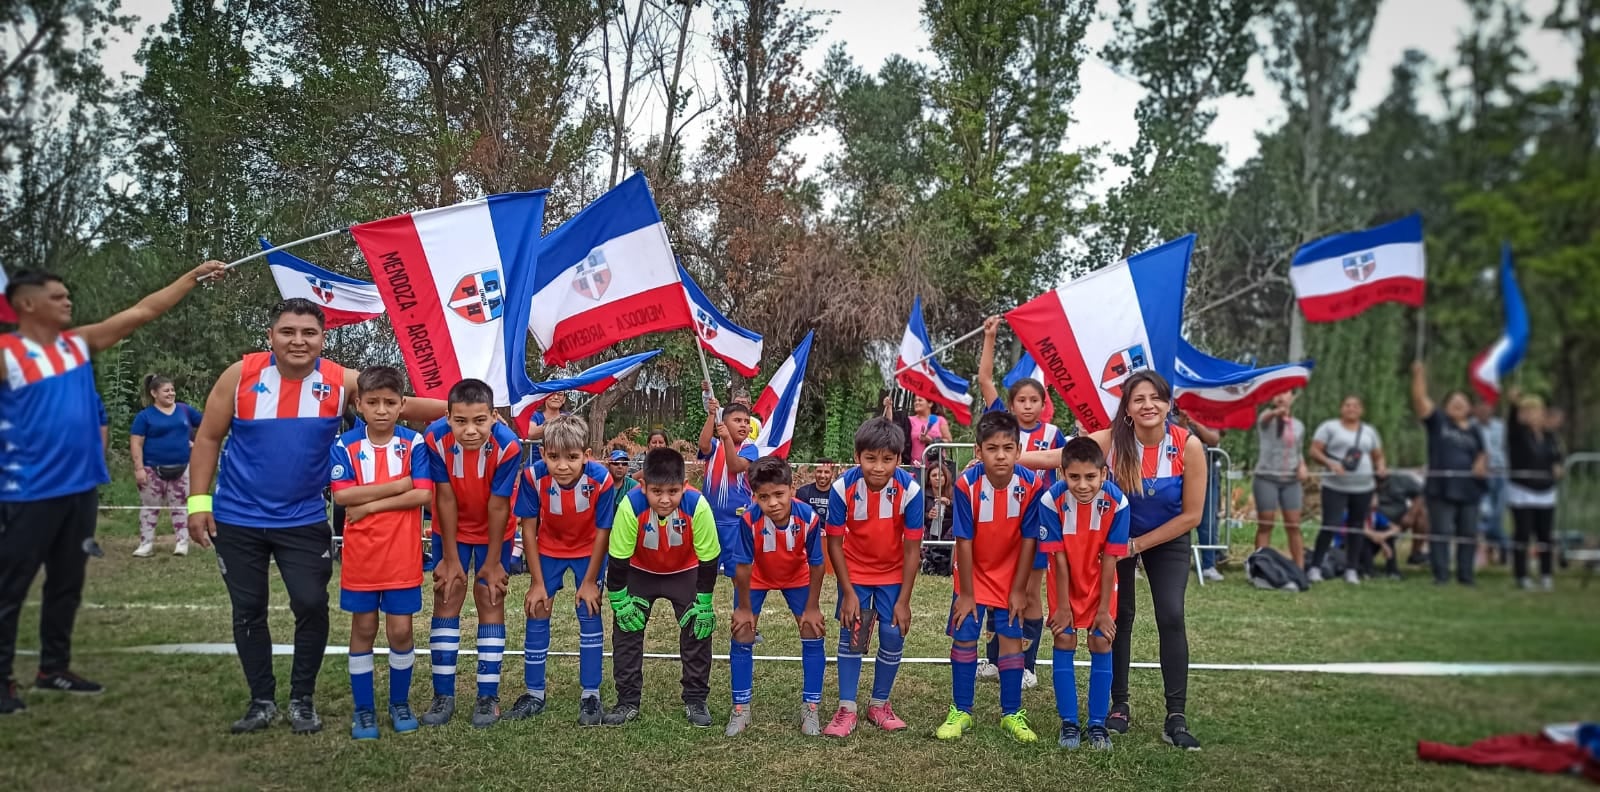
(527, 706)
(1176, 733)
(260, 715)
(67, 682)
(590, 712)
(303, 717)
(621, 715)
(1121, 717)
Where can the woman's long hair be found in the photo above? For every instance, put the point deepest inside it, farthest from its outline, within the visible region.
(1126, 462)
(152, 382)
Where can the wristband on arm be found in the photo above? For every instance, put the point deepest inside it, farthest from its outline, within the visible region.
(199, 504)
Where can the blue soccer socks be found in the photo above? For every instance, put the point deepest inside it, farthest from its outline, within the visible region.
(444, 642)
(361, 679)
(890, 645)
(742, 667)
(1064, 678)
(1010, 683)
(400, 664)
(813, 661)
(963, 675)
(1032, 629)
(849, 662)
(591, 650)
(536, 646)
(1099, 688)
(491, 651)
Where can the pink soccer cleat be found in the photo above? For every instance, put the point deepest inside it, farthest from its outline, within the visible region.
(842, 725)
(883, 717)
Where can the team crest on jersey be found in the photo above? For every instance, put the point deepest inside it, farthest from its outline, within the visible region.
(1120, 366)
(338, 471)
(478, 298)
(1360, 266)
(1041, 445)
(321, 391)
(593, 276)
(322, 287)
(704, 324)
(400, 448)
(1170, 450)
(1101, 505)
(1017, 492)
(586, 488)
(889, 491)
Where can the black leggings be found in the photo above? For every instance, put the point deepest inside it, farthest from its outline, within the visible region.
(1347, 510)
(1166, 567)
(1533, 525)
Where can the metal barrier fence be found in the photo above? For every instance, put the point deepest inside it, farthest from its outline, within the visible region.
(1577, 518)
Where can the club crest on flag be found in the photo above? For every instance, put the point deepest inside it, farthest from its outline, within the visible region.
(1360, 266)
(321, 391)
(705, 324)
(478, 298)
(1120, 366)
(321, 287)
(592, 276)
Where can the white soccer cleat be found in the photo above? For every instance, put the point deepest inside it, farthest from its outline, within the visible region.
(987, 670)
(1030, 680)
(144, 550)
(1352, 577)
(1211, 574)
(182, 548)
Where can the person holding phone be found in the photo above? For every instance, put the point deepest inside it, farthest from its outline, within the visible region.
(1351, 452)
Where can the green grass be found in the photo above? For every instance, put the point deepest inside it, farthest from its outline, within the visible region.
(163, 722)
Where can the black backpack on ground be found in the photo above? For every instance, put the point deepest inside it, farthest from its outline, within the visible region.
(1270, 569)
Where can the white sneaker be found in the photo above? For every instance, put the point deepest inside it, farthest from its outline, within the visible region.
(144, 550)
(1548, 583)
(181, 548)
(1314, 574)
(1030, 680)
(1526, 584)
(1211, 574)
(1352, 577)
(987, 670)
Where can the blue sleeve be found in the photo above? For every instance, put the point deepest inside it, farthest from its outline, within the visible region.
(814, 541)
(1119, 527)
(1048, 527)
(1033, 514)
(706, 457)
(750, 452)
(606, 505)
(436, 466)
(195, 417)
(100, 408)
(961, 513)
(744, 546)
(527, 496)
(505, 473)
(421, 466)
(340, 469)
(996, 406)
(141, 426)
(836, 507)
(915, 513)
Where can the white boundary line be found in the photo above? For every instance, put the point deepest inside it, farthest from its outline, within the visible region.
(1403, 668)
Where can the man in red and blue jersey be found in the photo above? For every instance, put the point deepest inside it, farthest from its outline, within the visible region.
(779, 549)
(874, 531)
(727, 452)
(279, 412)
(566, 504)
(52, 458)
(474, 460)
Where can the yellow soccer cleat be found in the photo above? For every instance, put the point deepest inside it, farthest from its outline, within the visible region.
(1016, 725)
(956, 724)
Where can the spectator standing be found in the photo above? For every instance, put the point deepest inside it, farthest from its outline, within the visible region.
(927, 428)
(1493, 507)
(159, 445)
(1534, 455)
(937, 492)
(618, 467)
(657, 439)
(1279, 475)
(1207, 531)
(1352, 452)
(1457, 468)
(815, 494)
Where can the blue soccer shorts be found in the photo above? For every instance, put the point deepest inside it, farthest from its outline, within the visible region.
(473, 556)
(876, 598)
(796, 599)
(555, 571)
(394, 602)
(971, 628)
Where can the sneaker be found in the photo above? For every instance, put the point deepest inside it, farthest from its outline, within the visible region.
(589, 711)
(1176, 733)
(988, 670)
(526, 706)
(401, 717)
(955, 725)
(699, 715)
(1121, 717)
(486, 713)
(738, 720)
(842, 725)
(67, 682)
(1547, 583)
(1314, 574)
(1352, 577)
(364, 725)
(440, 711)
(1016, 725)
(144, 550)
(883, 717)
(182, 547)
(11, 701)
(1071, 737)
(620, 715)
(1212, 575)
(303, 716)
(810, 721)
(1416, 559)
(1099, 738)
(258, 716)
(1030, 680)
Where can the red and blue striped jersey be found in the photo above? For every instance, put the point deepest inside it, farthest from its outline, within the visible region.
(996, 520)
(728, 492)
(382, 550)
(780, 556)
(875, 524)
(273, 468)
(1160, 492)
(474, 476)
(49, 420)
(569, 517)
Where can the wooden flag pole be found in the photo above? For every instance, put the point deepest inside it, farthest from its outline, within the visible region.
(276, 248)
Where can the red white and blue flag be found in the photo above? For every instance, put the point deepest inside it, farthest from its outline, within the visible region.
(730, 343)
(1090, 335)
(1026, 368)
(603, 277)
(1340, 276)
(1223, 394)
(595, 379)
(442, 274)
(6, 314)
(1499, 359)
(923, 376)
(780, 402)
(343, 300)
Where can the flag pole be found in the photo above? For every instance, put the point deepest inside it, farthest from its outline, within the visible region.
(705, 368)
(1422, 331)
(276, 248)
(934, 353)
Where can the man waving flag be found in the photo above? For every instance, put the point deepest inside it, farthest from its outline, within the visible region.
(919, 373)
(1500, 358)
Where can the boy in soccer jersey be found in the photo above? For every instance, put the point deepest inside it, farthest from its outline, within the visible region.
(1092, 517)
(663, 546)
(474, 459)
(380, 476)
(874, 533)
(566, 503)
(996, 521)
(779, 549)
(727, 452)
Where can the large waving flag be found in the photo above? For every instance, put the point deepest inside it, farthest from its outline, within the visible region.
(1027, 369)
(924, 376)
(6, 314)
(442, 273)
(1090, 335)
(605, 276)
(595, 379)
(1499, 359)
(1340, 276)
(730, 343)
(1223, 394)
(344, 300)
(780, 402)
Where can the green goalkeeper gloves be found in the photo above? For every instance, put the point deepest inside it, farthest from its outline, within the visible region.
(703, 616)
(630, 610)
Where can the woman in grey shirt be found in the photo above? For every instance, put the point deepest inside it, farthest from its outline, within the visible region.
(1352, 453)
(1280, 468)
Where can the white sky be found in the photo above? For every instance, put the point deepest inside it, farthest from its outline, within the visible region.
(874, 29)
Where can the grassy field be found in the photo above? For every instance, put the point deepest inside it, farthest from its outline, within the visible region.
(163, 722)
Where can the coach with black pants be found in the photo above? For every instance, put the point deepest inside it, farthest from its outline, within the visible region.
(52, 459)
(280, 411)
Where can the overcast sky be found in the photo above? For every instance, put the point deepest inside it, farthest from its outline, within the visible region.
(874, 29)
